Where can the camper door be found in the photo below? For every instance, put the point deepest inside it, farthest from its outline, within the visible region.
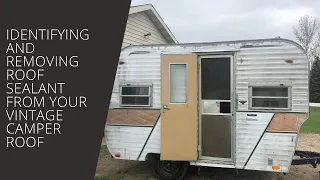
(179, 113)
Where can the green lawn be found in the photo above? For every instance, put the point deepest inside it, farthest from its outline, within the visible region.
(102, 178)
(312, 125)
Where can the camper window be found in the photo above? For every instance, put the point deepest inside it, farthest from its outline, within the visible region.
(269, 97)
(135, 95)
(178, 83)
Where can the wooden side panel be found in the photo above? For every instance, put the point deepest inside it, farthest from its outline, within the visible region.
(133, 117)
(287, 122)
(179, 124)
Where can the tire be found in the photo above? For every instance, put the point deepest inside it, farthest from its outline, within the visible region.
(168, 170)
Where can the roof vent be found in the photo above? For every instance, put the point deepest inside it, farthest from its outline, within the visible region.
(139, 52)
(146, 35)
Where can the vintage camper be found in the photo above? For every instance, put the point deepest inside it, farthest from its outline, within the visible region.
(235, 104)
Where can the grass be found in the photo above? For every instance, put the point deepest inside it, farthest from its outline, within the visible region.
(102, 178)
(312, 125)
(114, 177)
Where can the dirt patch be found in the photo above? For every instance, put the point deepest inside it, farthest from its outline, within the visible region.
(134, 170)
(310, 142)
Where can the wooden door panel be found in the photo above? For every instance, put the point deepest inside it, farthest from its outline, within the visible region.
(179, 123)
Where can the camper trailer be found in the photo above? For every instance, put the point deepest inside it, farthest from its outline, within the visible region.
(234, 104)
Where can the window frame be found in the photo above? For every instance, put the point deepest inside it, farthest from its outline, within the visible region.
(135, 85)
(251, 97)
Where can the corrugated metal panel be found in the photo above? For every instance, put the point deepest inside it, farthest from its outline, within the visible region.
(137, 69)
(126, 140)
(153, 144)
(248, 132)
(267, 66)
(278, 147)
(263, 65)
(137, 26)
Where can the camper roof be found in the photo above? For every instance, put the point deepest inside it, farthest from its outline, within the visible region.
(243, 43)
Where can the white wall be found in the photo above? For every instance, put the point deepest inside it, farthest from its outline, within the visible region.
(315, 104)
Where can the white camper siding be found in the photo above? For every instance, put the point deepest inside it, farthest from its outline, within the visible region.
(277, 147)
(126, 141)
(258, 65)
(131, 141)
(248, 132)
(266, 66)
(153, 144)
(139, 24)
(139, 69)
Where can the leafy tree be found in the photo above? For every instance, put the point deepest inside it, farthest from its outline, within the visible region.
(306, 33)
(315, 81)
(315, 50)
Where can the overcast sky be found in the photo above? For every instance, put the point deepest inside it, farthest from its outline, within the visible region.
(213, 20)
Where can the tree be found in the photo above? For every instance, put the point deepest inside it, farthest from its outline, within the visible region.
(315, 81)
(306, 32)
(315, 50)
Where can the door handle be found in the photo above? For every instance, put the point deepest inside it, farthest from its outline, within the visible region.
(165, 107)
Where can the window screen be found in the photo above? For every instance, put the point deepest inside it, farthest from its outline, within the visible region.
(135, 95)
(215, 78)
(178, 83)
(270, 97)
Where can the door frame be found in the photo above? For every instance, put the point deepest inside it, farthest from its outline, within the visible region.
(232, 106)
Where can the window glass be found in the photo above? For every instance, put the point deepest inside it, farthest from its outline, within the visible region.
(135, 95)
(272, 103)
(275, 92)
(135, 90)
(178, 83)
(270, 97)
(135, 101)
(215, 78)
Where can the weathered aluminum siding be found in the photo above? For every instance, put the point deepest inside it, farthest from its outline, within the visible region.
(266, 66)
(278, 147)
(153, 144)
(139, 69)
(139, 24)
(129, 141)
(248, 132)
(125, 140)
(259, 65)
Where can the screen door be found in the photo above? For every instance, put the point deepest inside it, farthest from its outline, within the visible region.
(216, 108)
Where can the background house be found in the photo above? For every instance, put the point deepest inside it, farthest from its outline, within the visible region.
(145, 26)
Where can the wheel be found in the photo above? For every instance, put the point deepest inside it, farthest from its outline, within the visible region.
(169, 170)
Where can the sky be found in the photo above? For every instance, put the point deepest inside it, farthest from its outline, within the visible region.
(224, 20)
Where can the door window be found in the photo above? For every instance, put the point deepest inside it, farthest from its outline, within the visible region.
(178, 83)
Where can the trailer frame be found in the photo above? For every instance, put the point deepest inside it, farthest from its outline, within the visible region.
(306, 157)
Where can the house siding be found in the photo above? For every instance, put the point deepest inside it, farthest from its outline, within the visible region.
(139, 24)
